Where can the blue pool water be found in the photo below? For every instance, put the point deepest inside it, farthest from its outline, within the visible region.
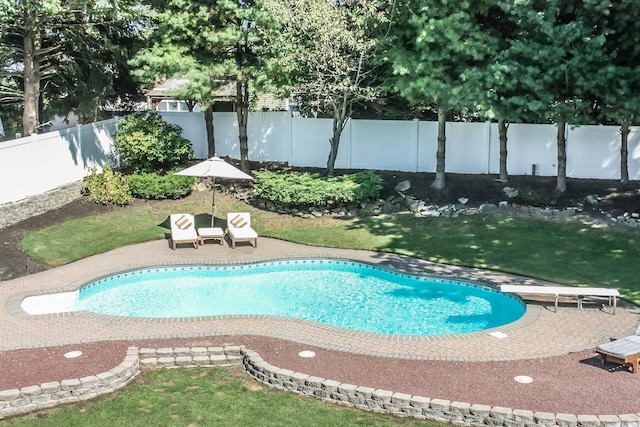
(340, 293)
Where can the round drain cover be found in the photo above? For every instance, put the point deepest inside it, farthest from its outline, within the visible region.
(307, 353)
(73, 354)
(523, 379)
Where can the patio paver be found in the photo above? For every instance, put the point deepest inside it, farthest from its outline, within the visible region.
(540, 333)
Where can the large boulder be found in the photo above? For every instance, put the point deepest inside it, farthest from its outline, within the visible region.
(510, 192)
(488, 208)
(403, 186)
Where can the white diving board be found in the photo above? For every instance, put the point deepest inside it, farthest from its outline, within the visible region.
(558, 291)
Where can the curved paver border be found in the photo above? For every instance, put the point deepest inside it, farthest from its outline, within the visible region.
(540, 333)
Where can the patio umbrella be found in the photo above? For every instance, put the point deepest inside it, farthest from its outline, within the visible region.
(214, 168)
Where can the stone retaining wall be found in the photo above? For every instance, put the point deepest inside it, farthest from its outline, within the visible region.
(405, 405)
(27, 399)
(47, 395)
(32, 398)
(183, 357)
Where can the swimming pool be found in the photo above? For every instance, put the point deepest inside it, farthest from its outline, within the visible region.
(345, 294)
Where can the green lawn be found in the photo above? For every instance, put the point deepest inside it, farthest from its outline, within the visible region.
(568, 253)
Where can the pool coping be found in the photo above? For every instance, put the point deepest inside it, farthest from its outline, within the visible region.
(569, 328)
(14, 303)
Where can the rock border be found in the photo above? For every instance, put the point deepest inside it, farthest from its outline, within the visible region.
(15, 212)
(27, 399)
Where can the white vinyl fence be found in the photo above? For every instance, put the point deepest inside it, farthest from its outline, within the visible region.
(471, 148)
(39, 163)
(36, 164)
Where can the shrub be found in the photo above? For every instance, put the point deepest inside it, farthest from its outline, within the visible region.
(146, 143)
(154, 186)
(305, 189)
(107, 187)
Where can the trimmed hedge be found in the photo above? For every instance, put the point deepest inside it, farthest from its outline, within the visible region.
(292, 189)
(153, 186)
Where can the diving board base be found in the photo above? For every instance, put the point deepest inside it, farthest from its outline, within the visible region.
(558, 291)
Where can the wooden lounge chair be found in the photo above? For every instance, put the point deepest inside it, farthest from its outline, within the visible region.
(183, 229)
(625, 351)
(239, 229)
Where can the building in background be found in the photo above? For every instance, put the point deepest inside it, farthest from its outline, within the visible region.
(160, 98)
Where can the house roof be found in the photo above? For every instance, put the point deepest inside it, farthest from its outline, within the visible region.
(225, 92)
(163, 89)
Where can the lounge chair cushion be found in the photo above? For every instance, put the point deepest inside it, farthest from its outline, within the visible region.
(243, 233)
(183, 229)
(183, 222)
(239, 228)
(624, 347)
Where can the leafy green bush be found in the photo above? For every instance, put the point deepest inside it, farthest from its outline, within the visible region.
(305, 189)
(532, 197)
(147, 143)
(107, 187)
(154, 186)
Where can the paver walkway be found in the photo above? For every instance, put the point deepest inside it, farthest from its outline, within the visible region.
(539, 333)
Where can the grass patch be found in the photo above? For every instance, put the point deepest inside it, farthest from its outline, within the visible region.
(206, 397)
(80, 238)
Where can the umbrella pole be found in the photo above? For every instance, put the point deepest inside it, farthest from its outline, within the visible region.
(213, 200)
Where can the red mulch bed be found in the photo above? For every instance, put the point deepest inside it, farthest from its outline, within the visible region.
(574, 384)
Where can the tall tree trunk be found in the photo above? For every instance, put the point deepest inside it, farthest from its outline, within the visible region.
(561, 180)
(242, 113)
(624, 152)
(208, 121)
(439, 182)
(503, 126)
(339, 122)
(31, 75)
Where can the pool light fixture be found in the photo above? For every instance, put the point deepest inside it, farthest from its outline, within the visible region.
(307, 353)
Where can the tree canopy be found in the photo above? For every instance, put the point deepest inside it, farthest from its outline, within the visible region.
(568, 62)
(436, 46)
(325, 54)
(209, 44)
(47, 45)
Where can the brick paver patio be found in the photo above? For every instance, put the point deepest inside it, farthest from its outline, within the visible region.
(539, 333)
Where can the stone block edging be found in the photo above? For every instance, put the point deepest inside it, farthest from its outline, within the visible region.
(405, 405)
(46, 395)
